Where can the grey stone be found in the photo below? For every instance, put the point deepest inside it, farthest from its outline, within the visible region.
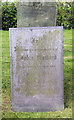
(36, 14)
(37, 69)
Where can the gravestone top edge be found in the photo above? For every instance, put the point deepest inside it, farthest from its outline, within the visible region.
(31, 3)
(36, 27)
(34, 1)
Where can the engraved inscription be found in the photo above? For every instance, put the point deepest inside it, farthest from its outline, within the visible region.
(38, 57)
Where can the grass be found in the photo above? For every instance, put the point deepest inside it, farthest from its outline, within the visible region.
(6, 82)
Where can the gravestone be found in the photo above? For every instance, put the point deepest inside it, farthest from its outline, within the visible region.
(37, 69)
(36, 14)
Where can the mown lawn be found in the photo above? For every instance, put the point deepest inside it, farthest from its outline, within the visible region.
(6, 82)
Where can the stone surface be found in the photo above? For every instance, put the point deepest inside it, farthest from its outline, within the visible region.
(37, 69)
(36, 14)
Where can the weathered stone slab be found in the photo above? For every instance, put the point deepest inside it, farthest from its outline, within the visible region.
(37, 68)
(36, 14)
